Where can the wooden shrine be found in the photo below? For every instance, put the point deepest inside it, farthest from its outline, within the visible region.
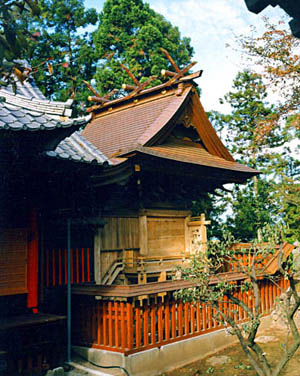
(161, 141)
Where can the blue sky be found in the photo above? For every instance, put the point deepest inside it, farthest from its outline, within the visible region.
(211, 25)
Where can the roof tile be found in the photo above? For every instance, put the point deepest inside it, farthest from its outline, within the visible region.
(79, 149)
(115, 131)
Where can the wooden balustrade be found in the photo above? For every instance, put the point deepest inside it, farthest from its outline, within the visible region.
(129, 327)
(56, 270)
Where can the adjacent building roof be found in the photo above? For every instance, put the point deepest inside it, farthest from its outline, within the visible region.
(291, 7)
(77, 148)
(28, 109)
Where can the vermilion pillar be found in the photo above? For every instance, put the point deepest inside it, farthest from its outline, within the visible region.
(32, 263)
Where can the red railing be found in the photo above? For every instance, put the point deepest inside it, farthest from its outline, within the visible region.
(56, 266)
(128, 327)
(244, 257)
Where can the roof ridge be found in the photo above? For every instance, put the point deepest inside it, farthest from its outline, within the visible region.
(165, 116)
(44, 106)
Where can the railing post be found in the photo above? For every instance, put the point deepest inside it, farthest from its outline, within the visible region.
(129, 309)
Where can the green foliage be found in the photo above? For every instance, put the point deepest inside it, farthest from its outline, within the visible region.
(247, 127)
(131, 33)
(71, 51)
(276, 51)
(253, 138)
(215, 289)
(252, 209)
(14, 36)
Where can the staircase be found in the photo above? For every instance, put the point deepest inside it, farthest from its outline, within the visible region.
(112, 273)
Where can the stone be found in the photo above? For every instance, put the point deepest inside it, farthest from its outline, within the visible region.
(218, 360)
(266, 339)
(59, 371)
(49, 373)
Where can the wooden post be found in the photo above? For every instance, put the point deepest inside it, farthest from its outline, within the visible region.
(143, 235)
(198, 234)
(187, 234)
(97, 256)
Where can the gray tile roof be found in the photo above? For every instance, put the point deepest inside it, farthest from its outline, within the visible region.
(79, 149)
(28, 109)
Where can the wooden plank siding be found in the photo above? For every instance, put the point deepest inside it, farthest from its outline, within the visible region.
(166, 236)
(13, 261)
(118, 234)
(133, 327)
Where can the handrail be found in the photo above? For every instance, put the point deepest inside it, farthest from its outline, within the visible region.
(129, 291)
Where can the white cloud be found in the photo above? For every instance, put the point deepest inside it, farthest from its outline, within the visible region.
(211, 24)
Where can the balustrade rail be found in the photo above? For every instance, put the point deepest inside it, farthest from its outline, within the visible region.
(129, 327)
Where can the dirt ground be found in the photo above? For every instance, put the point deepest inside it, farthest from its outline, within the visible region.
(233, 362)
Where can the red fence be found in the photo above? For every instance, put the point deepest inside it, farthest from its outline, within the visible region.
(244, 257)
(56, 266)
(127, 327)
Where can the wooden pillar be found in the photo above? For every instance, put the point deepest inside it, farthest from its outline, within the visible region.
(187, 234)
(32, 263)
(143, 230)
(97, 256)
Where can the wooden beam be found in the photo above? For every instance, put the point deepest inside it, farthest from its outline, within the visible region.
(165, 72)
(192, 76)
(181, 73)
(92, 89)
(97, 99)
(129, 87)
(141, 86)
(109, 94)
(130, 74)
(169, 57)
(143, 235)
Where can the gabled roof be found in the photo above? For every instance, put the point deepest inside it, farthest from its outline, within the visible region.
(147, 125)
(119, 128)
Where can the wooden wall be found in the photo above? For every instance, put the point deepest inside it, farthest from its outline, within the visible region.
(118, 234)
(149, 233)
(13, 261)
(166, 236)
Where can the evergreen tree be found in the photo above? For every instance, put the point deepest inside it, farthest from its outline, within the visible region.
(255, 205)
(14, 36)
(67, 52)
(131, 33)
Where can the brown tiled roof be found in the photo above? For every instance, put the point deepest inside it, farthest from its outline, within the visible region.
(119, 129)
(190, 152)
(145, 125)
